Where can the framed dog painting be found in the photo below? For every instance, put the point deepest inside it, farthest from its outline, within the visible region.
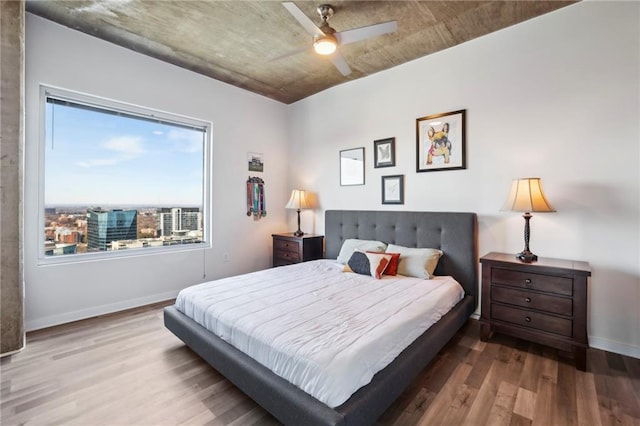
(440, 143)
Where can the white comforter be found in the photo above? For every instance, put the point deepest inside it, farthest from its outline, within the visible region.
(326, 331)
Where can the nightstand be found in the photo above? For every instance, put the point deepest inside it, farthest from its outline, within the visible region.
(543, 302)
(288, 249)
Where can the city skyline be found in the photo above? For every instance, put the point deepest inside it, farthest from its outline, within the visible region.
(71, 231)
(94, 158)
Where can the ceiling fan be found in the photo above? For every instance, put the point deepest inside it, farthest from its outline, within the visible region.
(326, 40)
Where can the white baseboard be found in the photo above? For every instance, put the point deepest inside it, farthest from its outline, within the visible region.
(615, 347)
(603, 344)
(50, 321)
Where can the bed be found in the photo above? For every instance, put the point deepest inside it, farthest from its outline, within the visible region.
(453, 233)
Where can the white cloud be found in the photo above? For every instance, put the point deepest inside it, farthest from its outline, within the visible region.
(98, 162)
(186, 141)
(126, 148)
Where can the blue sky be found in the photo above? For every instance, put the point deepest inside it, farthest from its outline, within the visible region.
(98, 159)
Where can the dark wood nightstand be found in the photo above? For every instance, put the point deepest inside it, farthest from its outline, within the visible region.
(288, 249)
(543, 301)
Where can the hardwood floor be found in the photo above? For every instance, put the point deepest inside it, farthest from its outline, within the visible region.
(127, 369)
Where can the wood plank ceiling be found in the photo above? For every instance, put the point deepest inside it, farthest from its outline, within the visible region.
(251, 44)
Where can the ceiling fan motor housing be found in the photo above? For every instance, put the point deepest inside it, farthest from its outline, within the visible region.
(325, 11)
(326, 39)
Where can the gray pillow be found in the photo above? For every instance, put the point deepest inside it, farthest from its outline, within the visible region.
(416, 262)
(350, 245)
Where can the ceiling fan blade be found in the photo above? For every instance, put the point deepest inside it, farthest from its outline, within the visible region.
(340, 63)
(357, 34)
(306, 23)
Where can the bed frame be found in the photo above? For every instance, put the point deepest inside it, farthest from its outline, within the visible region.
(454, 233)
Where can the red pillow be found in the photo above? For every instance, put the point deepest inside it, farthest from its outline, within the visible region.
(392, 269)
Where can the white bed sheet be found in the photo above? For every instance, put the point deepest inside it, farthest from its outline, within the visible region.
(326, 331)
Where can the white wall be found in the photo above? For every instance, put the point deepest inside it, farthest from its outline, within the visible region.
(242, 122)
(555, 97)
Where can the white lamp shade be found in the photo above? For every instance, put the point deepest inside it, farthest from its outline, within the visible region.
(526, 196)
(298, 200)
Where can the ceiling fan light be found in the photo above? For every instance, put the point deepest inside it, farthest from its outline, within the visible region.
(325, 45)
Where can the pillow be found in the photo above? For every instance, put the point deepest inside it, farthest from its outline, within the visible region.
(392, 269)
(350, 245)
(416, 262)
(372, 264)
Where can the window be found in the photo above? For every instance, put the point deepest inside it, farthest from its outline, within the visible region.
(118, 179)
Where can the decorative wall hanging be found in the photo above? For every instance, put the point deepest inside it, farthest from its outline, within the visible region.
(352, 167)
(440, 143)
(256, 205)
(384, 153)
(256, 162)
(393, 189)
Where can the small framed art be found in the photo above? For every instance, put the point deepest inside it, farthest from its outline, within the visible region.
(256, 162)
(352, 167)
(393, 189)
(440, 143)
(384, 152)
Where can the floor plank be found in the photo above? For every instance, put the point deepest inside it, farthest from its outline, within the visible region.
(127, 369)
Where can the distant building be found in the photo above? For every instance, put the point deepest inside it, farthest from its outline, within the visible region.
(50, 210)
(103, 227)
(155, 242)
(53, 249)
(171, 221)
(66, 235)
(133, 244)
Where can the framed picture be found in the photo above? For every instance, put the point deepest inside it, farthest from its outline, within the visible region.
(384, 153)
(440, 143)
(352, 167)
(256, 162)
(393, 189)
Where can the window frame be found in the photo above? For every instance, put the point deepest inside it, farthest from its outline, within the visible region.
(133, 111)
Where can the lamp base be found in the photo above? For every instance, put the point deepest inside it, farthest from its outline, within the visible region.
(298, 233)
(526, 256)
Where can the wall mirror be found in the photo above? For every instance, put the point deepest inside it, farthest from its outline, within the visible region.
(352, 167)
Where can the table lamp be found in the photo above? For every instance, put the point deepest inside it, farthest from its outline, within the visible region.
(526, 196)
(298, 201)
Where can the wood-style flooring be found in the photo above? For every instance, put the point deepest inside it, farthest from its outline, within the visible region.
(127, 369)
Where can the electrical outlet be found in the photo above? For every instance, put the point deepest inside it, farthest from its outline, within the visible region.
(225, 257)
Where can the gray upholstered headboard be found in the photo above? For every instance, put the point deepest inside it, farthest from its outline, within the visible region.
(453, 233)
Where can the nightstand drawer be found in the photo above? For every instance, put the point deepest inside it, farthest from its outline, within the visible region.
(548, 283)
(533, 300)
(286, 257)
(286, 246)
(532, 319)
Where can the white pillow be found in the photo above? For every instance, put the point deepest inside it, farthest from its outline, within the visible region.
(350, 245)
(416, 262)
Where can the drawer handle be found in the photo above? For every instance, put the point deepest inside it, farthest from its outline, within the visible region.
(527, 282)
(527, 299)
(527, 319)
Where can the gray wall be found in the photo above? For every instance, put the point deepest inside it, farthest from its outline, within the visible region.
(11, 134)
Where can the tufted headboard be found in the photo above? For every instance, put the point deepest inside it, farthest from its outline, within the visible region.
(453, 233)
